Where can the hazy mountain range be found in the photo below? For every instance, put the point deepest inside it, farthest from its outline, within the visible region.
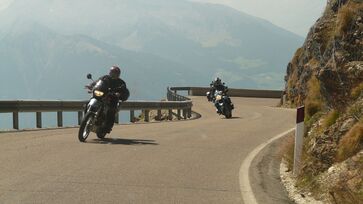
(48, 46)
(294, 15)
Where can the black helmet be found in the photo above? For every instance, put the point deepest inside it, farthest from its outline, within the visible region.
(115, 72)
(217, 81)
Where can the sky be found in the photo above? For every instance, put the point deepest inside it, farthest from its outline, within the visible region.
(4, 4)
(296, 16)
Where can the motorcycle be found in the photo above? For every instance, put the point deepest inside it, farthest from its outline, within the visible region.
(95, 111)
(223, 103)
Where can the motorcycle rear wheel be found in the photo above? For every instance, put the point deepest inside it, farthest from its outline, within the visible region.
(85, 127)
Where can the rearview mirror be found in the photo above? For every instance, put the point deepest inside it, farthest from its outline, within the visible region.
(89, 76)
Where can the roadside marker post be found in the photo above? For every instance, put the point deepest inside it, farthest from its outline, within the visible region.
(299, 137)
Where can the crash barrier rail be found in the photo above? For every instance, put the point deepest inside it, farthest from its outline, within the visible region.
(181, 104)
(201, 91)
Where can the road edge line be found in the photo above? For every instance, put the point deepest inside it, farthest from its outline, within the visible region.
(248, 196)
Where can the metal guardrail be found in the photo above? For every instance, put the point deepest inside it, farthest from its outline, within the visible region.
(172, 95)
(181, 104)
(201, 91)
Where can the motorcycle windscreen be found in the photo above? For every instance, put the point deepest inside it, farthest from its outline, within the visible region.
(101, 86)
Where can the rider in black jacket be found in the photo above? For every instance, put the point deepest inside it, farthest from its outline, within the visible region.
(118, 86)
(216, 85)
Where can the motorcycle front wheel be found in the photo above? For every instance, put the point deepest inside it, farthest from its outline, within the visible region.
(228, 112)
(85, 127)
(101, 135)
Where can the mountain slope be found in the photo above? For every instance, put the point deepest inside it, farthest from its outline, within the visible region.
(48, 65)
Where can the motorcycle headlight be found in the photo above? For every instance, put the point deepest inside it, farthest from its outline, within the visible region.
(98, 93)
(219, 97)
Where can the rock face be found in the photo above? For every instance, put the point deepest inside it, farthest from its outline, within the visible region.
(326, 76)
(333, 53)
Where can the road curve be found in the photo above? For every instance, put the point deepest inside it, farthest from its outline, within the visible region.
(195, 161)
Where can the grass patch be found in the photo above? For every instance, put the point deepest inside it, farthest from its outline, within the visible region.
(357, 91)
(327, 36)
(310, 121)
(344, 20)
(346, 16)
(356, 111)
(314, 63)
(313, 102)
(297, 55)
(287, 151)
(330, 118)
(351, 143)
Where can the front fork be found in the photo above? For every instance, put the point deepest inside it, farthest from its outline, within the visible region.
(95, 107)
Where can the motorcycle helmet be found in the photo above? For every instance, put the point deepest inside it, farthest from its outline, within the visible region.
(115, 72)
(217, 81)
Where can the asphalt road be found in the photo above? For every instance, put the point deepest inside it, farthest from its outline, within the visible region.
(195, 161)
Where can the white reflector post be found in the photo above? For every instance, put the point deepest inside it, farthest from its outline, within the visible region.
(299, 136)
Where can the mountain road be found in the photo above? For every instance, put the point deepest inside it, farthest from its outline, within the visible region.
(192, 161)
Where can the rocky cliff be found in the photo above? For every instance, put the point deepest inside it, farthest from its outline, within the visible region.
(326, 76)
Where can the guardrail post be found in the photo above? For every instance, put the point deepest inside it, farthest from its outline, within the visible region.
(80, 117)
(170, 116)
(117, 120)
(159, 115)
(168, 94)
(132, 116)
(147, 115)
(39, 119)
(16, 120)
(190, 92)
(299, 139)
(179, 114)
(60, 119)
(284, 99)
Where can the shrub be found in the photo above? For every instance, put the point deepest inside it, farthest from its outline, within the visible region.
(351, 143)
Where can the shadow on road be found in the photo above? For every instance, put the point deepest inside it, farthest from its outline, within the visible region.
(232, 118)
(120, 141)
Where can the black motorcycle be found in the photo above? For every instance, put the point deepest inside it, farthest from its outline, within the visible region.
(223, 103)
(96, 110)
